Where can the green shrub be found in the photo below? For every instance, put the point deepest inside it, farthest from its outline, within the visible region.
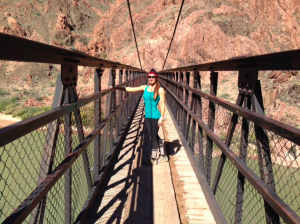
(27, 112)
(4, 104)
(33, 94)
(18, 113)
(3, 92)
(225, 96)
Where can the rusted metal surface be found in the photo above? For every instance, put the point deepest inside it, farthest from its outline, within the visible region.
(98, 158)
(229, 136)
(281, 208)
(286, 60)
(44, 187)
(12, 132)
(20, 49)
(287, 131)
(211, 123)
(59, 141)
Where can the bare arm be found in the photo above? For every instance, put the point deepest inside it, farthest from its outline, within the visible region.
(129, 89)
(135, 89)
(162, 103)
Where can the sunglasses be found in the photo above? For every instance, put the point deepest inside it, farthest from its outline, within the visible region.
(152, 77)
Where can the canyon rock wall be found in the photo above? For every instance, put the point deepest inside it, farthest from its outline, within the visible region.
(208, 30)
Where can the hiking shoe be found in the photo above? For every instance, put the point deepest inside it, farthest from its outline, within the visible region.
(163, 159)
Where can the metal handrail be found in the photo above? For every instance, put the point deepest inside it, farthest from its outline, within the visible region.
(285, 60)
(56, 129)
(19, 49)
(21, 128)
(45, 186)
(272, 139)
(289, 132)
(270, 196)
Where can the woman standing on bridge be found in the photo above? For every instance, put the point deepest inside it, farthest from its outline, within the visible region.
(153, 94)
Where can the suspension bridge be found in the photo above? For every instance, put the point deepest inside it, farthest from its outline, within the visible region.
(82, 161)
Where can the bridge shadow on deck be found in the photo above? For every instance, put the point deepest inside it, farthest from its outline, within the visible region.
(127, 193)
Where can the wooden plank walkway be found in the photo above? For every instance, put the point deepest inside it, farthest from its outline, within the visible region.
(137, 193)
(193, 205)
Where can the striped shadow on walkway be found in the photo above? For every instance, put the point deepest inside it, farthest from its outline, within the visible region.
(134, 192)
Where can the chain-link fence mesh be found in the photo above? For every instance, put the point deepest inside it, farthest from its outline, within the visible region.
(27, 161)
(272, 157)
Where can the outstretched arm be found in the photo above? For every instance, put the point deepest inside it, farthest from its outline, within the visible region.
(136, 89)
(129, 89)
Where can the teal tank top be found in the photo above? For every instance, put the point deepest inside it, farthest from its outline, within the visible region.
(151, 110)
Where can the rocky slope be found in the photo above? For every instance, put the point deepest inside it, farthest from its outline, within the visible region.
(209, 30)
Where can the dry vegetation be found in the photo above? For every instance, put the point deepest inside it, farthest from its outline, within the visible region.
(206, 32)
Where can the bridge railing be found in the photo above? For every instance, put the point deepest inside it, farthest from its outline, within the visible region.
(51, 164)
(251, 163)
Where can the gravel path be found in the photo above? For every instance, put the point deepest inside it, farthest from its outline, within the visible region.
(6, 120)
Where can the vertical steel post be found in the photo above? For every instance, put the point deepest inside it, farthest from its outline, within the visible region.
(243, 156)
(121, 93)
(112, 107)
(120, 82)
(187, 116)
(49, 149)
(71, 74)
(211, 122)
(133, 84)
(174, 78)
(184, 113)
(199, 108)
(173, 106)
(193, 108)
(79, 126)
(181, 120)
(177, 110)
(98, 153)
(131, 95)
(127, 95)
(264, 153)
(68, 174)
(69, 80)
(107, 111)
(229, 135)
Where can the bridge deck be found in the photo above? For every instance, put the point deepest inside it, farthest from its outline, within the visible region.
(137, 193)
